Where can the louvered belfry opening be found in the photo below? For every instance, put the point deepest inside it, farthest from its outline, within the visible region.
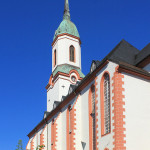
(93, 118)
(72, 53)
(106, 103)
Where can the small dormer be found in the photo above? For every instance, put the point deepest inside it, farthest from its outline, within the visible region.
(94, 65)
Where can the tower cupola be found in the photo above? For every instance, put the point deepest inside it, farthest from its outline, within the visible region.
(66, 60)
(66, 26)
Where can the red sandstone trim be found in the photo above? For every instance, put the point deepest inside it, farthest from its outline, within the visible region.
(67, 35)
(51, 82)
(32, 143)
(71, 134)
(118, 103)
(42, 137)
(67, 75)
(73, 125)
(54, 132)
(96, 111)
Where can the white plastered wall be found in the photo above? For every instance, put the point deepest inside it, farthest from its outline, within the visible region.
(38, 135)
(137, 112)
(59, 89)
(49, 135)
(78, 122)
(61, 46)
(45, 137)
(85, 116)
(107, 140)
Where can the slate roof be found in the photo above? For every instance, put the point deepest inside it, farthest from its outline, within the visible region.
(128, 56)
(145, 52)
(124, 52)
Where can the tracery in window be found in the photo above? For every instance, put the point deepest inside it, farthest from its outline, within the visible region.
(92, 119)
(105, 104)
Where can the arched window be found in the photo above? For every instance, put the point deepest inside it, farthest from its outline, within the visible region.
(92, 119)
(105, 104)
(55, 58)
(72, 53)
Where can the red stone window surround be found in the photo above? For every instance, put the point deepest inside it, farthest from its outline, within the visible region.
(72, 56)
(105, 104)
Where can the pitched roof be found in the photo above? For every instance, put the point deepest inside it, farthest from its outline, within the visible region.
(124, 52)
(145, 52)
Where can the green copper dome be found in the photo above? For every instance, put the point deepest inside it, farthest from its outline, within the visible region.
(67, 26)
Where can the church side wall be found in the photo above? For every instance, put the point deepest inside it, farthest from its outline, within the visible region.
(85, 116)
(52, 95)
(107, 140)
(137, 114)
(49, 135)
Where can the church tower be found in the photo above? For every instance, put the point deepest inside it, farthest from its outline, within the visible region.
(66, 61)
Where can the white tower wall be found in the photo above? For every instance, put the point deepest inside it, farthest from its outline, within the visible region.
(62, 46)
(59, 89)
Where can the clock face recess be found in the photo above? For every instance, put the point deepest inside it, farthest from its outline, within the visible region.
(73, 79)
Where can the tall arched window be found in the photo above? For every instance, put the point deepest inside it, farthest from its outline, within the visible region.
(105, 104)
(72, 53)
(55, 58)
(92, 119)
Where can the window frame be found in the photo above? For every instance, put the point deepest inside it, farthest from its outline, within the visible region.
(72, 58)
(55, 57)
(102, 99)
(91, 128)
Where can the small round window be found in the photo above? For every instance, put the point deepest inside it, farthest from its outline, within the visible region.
(73, 79)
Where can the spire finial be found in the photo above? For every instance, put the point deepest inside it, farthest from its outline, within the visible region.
(66, 11)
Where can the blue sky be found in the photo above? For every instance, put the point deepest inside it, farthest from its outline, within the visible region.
(26, 33)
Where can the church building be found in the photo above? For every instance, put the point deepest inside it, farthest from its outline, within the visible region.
(108, 109)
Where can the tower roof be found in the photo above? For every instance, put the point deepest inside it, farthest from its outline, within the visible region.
(66, 26)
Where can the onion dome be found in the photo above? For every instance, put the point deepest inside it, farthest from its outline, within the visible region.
(67, 26)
